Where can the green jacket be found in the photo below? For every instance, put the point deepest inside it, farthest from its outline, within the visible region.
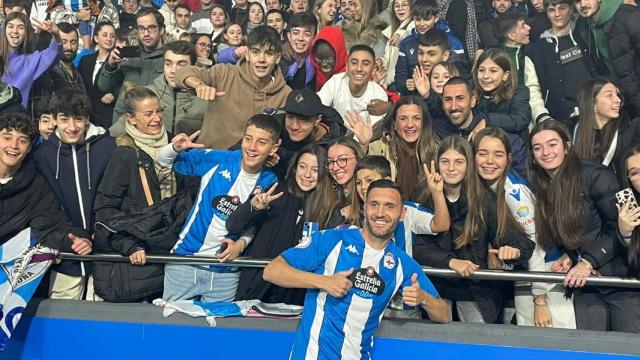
(182, 112)
(140, 71)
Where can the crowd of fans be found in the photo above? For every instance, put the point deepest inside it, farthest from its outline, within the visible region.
(230, 128)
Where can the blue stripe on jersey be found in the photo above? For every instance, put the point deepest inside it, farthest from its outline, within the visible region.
(219, 170)
(516, 179)
(333, 328)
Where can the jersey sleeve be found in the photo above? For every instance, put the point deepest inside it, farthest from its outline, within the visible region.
(198, 162)
(311, 252)
(411, 267)
(419, 218)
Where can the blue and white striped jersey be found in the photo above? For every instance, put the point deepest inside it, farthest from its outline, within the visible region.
(343, 328)
(223, 187)
(417, 220)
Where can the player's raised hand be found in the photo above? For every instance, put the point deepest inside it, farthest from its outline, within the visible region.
(413, 295)
(338, 284)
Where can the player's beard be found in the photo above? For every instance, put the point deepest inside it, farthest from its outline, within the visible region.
(386, 235)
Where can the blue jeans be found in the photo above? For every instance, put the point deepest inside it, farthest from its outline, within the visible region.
(197, 282)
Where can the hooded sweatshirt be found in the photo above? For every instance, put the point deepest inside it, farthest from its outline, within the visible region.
(226, 116)
(335, 38)
(607, 9)
(10, 99)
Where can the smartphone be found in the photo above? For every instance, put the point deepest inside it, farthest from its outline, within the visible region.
(129, 52)
(624, 196)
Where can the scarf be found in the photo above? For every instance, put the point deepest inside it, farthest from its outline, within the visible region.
(606, 12)
(150, 145)
(407, 167)
(471, 36)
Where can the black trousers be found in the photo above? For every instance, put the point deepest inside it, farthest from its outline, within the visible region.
(607, 309)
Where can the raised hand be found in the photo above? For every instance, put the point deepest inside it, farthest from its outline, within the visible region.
(182, 142)
(464, 268)
(114, 57)
(411, 85)
(138, 258)
(363, 130)
(338, 284)
(506, 253)
(421, 81)
(628, 219)
(241, 52)
(207, 93)
(80, 246)
(435, 183)
(413, 295)
(261, 201)
(46, 25)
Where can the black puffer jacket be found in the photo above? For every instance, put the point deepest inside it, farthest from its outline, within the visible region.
(512, 116)
(622, 33)
(438, 250)
(28, 201)
(154, 229)
(121, 192)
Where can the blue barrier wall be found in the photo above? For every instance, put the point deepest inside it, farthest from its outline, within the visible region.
(46, 337)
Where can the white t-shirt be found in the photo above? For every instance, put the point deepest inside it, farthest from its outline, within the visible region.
(5, 180)
(336, 93)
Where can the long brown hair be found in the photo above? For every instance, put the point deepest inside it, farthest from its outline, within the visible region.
(427, 144)
(507, 89)
(633, 257)
(319, 202)
(503, 213)
(470, 187)
(585, 132)
(347, 195)
(27, 46)
(559, 203)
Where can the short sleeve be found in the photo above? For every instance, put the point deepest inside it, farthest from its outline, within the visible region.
(411, 267)
(420, 218)
(311, 252)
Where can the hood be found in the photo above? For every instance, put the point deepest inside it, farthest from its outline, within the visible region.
(550, 38)
(335, 38)
(274, 86)
(607, 9)
(9, 95)
(21, 180)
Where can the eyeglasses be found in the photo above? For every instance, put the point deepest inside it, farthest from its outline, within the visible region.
(341, 162)
(634, 175)
(204, 45)
(400, 7)
(151, 29)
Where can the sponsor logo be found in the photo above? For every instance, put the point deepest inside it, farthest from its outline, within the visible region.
(225, 205)
(367, 283)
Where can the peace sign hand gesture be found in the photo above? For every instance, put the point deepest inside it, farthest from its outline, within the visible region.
(261, 201)
(46, 25)
(363, 130)
(435, 183)
(182, 142)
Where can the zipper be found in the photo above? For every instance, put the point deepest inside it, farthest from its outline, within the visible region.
(80, 202)
(173, 118)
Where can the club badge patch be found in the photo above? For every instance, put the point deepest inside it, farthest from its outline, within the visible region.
(389, 261)
(225, 205)
(367, 283)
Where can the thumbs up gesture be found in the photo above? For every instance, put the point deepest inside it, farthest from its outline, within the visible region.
(413, 295)
(80, 246)
(338, 284)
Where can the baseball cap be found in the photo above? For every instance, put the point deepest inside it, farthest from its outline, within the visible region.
(304, 102)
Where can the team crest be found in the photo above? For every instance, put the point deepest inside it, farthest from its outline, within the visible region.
(389, 262)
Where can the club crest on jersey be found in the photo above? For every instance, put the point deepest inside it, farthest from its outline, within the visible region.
(225, 205)
(366, 282)
(389, 261)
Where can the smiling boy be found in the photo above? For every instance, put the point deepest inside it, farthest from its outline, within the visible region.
(228, 178)
(236, 92)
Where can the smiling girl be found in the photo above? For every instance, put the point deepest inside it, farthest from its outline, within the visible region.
(304, 195)
(499, 95)
(325, 12)
(401, 26)
(232, 47)
(604, 132)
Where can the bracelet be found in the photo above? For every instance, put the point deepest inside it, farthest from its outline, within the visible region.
(540, 304)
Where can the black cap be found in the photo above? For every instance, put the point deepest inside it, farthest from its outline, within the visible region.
(304, 102)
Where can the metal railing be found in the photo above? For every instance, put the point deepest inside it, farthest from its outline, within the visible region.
(434, 272)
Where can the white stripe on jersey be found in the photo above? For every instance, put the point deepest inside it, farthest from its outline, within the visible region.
(316, 325)
(359, 309)
(196, 208)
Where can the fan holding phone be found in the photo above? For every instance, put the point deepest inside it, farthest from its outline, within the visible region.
(629, 211)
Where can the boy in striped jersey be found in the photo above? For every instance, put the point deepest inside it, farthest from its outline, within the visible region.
(352, 274)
